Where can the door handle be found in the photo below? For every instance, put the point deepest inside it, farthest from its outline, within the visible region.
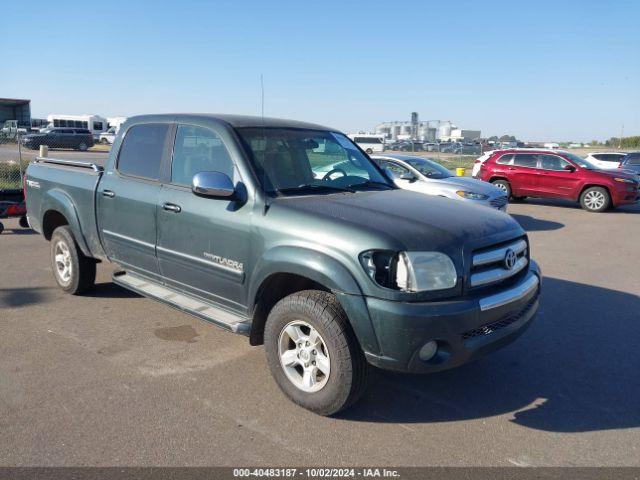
(108, 193)
(170, 207)
(512, 168)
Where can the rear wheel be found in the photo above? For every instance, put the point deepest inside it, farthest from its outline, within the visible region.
(503, 185)
(595, 199)
(369, 151)
(24, 223)
(82, 147)
(313, 354)
(74, 272)
(104, 141)
(1, 228)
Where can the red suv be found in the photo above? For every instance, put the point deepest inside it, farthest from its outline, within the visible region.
(550, 174)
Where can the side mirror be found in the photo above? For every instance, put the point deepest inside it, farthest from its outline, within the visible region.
(570, 168)
(212, 184)
(408, 176)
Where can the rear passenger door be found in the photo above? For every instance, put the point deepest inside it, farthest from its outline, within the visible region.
(554, 181)
(522, 174)
(203, 243)
(127, 197)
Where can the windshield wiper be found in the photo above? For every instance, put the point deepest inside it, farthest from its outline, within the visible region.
(314, 187)
(372, 183)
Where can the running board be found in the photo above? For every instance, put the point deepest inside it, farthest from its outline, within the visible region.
(173, 298)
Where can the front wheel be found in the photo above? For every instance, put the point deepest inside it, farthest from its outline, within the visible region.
(74, 272)
(502, 185)
(368, 151)
(313, 354)
(24, 223)
(83, 147)
(595, 199)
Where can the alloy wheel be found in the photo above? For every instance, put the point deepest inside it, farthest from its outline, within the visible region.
(304, 356)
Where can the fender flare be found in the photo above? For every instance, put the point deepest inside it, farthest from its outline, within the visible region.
(325, 270)
(57, 200)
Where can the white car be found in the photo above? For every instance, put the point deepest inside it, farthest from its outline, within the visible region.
(108, 137)
(426, 176)
(606, 160)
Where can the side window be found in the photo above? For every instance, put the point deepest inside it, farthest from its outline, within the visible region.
(141, 151)
(97, 125)
(196, 150)
(552, 162)
(397, 170)
(633, 159)
(504, 159)
(525, 160)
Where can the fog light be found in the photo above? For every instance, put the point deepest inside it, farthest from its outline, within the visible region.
(428, 351)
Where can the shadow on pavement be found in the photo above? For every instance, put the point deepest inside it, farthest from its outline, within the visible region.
(110, 290)
(574, 370)
(532, 224)
(21, 297)
(632, 208)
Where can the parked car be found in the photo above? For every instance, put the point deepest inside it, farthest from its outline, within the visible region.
(559, 174)
(108, 137)
(427, 176)
(606, 160)
(221, 217)
(475, 171)
(631, 163)
(74, 138)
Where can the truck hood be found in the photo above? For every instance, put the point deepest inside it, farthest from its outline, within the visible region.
(405, 219)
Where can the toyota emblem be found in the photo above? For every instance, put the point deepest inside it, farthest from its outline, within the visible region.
(510, 259)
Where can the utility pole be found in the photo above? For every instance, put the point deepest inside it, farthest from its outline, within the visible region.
(621, 135)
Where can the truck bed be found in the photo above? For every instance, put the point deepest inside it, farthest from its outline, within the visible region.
(68, 187)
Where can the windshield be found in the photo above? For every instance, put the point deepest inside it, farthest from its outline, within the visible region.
(309, 162)
(429, 168)
(582, 162)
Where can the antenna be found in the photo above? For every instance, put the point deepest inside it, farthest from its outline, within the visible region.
(262, 96)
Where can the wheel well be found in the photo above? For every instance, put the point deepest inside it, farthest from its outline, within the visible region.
(273, 289)
(493, 179)
(52, 219)
(595, 185)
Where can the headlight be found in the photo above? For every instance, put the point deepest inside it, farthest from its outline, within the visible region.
(471, 195)
(410, 271)
(623, 180)
(420, 271)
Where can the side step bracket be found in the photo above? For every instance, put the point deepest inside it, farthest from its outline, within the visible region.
(199, 308)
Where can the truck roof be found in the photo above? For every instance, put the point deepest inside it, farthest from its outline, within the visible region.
(236, 121)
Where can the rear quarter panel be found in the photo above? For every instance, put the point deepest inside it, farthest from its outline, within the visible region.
(69, 191)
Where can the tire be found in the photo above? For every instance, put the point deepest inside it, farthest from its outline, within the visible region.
(368, 151)
(1, 228)
(503, 185)
(348, 372)
(73, 272)
(104, 141)
(595, 199)
(24, 223)
(82, 147)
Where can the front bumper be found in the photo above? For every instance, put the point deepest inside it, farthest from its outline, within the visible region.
(464, 329)
(625, 196)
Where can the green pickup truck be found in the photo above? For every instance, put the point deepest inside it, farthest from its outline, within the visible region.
(238, 221)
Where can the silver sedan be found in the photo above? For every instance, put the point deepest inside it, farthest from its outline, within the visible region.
(428, 177)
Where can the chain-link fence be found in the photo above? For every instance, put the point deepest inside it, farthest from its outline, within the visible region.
(12, 165)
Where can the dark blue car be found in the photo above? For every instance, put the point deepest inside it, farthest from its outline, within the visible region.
(631, 162)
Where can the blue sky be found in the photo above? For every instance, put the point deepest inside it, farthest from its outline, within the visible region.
(538, 70)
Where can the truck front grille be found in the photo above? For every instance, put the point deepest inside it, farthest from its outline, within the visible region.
(489, 328)
(499, 263)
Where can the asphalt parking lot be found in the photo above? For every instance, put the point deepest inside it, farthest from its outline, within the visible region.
(112, 378)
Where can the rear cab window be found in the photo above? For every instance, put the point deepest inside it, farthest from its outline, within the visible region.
(142, 150)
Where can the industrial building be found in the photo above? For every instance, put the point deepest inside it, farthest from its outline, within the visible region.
(426, 131)
(15, 109)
